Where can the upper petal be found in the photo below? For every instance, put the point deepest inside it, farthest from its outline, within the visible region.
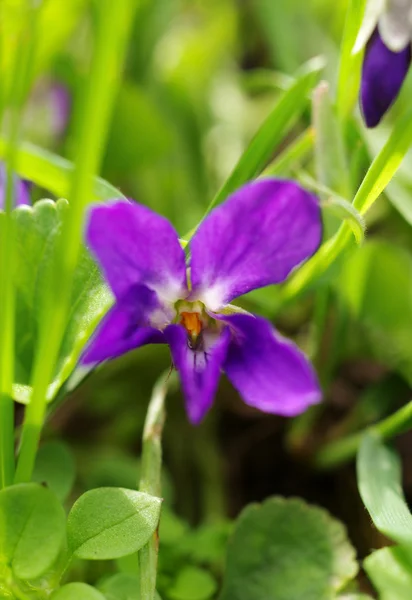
(255, 238)
(383, 73)
(269, 372)
(395, 24)
(136, 246)
(129, 324)
(373, 10)
(199, 369)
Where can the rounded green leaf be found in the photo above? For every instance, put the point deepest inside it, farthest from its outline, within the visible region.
(108, 523)
(287, 549)
(32, 529)
(55, 466)
(122, 586)
(77, 591)
(192, 583)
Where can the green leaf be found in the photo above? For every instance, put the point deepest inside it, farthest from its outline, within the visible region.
(345, 211)
(192, 583)
(55, 466)
(399, 190)
(337, 205)
(36, 232)
(379, 481)
(32, 529)
(390, 570)
(366, 285)
(53, 172)
(77, 591)
(292, 155)
(111, 522)
(121, 586)
(330, 160)
(350, 63)
(287, 549)
(261, 148)
(379, 174)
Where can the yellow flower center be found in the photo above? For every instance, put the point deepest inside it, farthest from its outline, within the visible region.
(192, 323)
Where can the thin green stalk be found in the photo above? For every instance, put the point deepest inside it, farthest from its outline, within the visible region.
(19, 84)
(380, 173)
(112, 31)
(292, 155)
(349, 64)
(150, 478)
(342, 450)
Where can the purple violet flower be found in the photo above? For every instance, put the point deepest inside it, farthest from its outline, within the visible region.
(21, 189)
(386, 32)
(256, 238)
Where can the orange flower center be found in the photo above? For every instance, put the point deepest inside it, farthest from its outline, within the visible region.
(192, 323)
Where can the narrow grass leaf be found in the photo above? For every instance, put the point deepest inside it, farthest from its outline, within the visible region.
(291, 104)
(379, 480)
(379, 174)
(52, 172)
(350, 63)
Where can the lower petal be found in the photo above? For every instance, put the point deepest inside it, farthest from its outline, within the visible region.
(199, 369)
(383, 74)
(126, 326)
(269, 372)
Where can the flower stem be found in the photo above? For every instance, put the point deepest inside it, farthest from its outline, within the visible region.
(150, 478)
(114, 22)
(18, 89)
(342, 450)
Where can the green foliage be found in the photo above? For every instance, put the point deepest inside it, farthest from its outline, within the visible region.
(366, 284)
(287, 549)
(111, 522)
(121, 586)
(77, 591)
(192, 583)
(261, 148)
(37, 229)
(350, 63)
(32, 529)
(379, 481)
(390, 569)
(53, 172)
(55, 468)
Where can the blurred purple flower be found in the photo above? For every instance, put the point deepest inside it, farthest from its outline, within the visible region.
(386, 32)
(21, 189)
(256, 238)
(48, 111)
(60, 103)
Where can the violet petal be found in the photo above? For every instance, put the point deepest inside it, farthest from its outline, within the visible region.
(126, 326)
(383, 73)
(255, 238)
(134, 245)
(21, 189)
(199, 370)
(269, 372)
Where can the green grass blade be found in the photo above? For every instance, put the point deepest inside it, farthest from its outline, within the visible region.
(53, 172)
(292, 155)
(261, 148)
(350, 64)
(379, 174)
(337, 205)
(379, 474)
(330, 160)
